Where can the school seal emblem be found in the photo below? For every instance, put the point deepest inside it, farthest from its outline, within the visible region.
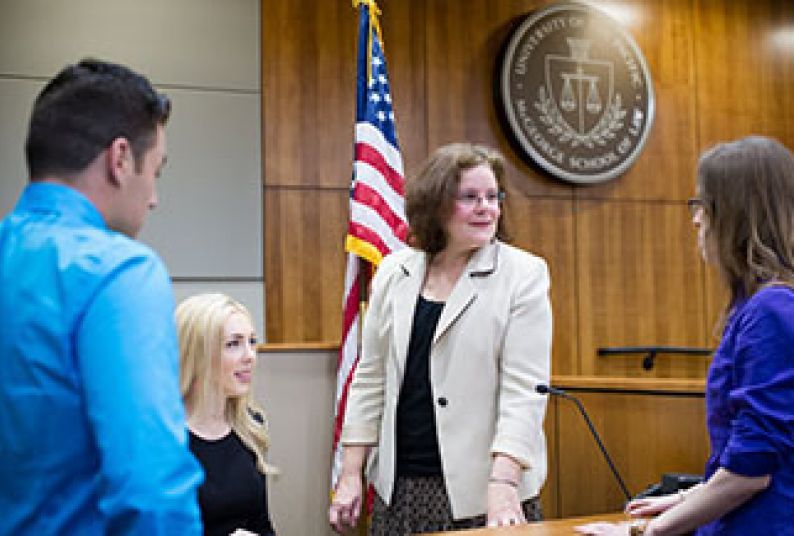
(576, 93)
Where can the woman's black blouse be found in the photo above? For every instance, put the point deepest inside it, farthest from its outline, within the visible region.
(234, 493)
(417, 442)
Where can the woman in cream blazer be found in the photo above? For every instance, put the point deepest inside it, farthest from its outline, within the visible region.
(489, 348)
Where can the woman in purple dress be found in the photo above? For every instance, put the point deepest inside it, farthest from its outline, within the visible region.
(744, 214)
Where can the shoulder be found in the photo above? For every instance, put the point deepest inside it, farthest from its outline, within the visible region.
(104, 254)
(765, 319)
(772, 295)
(773, 303)
(399, 262)
(520, 261)
(396, 259)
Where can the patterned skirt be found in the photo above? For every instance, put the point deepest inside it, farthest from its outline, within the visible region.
(421, 504)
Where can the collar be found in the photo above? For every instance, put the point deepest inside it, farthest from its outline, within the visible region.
(61, 200)
(483, 262)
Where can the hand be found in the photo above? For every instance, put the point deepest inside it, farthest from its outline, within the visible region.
(346, 505)
(651, 506)
(603, 528)
(504, 506)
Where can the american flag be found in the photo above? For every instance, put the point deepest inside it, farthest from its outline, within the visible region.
(377, 210)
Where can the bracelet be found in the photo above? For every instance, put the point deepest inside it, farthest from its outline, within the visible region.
(507, 481)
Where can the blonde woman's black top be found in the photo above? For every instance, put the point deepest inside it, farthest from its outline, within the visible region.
(234, 493)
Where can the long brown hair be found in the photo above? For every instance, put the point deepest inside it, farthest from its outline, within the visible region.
(747, 189)
(430, 195)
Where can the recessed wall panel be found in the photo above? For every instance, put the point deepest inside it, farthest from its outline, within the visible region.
(202, 43)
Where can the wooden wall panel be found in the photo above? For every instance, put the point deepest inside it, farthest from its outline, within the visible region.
(665, 168)
(640, 284)
(304, 271)
(309, 70)
(308, 88)
(624, 264)
(622, 255)
(745, 82)
(463, 43)
(646, 435)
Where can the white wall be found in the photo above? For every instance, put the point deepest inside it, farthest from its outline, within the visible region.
(208, 227)
(205, 55)
(296, 389)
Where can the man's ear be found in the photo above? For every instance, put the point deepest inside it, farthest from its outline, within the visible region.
(120, 161)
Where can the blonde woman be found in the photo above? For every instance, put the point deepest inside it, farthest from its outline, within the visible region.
(228, 433)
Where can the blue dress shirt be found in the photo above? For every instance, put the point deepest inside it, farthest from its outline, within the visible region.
(750, 411)
(92, 427)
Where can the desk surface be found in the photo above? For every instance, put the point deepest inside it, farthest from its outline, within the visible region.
(546, 528)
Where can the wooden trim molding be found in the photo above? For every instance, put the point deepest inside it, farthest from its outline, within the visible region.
(272, 347)
(688, 386)
(638, 385)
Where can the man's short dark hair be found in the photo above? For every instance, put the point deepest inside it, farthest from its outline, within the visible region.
(83, 109)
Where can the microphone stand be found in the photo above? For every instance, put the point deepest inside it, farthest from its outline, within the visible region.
(546, 389)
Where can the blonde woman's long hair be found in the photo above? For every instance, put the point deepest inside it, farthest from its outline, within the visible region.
(200, 321)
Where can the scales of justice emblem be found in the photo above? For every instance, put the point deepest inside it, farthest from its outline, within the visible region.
(578, 104)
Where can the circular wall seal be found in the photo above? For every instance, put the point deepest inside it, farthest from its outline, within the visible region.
(576, 93)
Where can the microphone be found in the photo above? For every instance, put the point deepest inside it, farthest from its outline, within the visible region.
(549, 390)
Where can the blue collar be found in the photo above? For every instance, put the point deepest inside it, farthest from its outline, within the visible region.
(61, 200)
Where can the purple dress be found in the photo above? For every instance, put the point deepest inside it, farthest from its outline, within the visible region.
(750, 411)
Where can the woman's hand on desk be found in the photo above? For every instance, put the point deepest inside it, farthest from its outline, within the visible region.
(504, 506)
(651, 506)
(604, 528)
(346, 505)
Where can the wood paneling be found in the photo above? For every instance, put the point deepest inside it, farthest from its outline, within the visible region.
(464, 40)
(624, 265)
(662, 31)
(308, 92)
(309, 88)
(640, 284)
(745, 82)
(309, 69)
(304, 272)
(646, 435)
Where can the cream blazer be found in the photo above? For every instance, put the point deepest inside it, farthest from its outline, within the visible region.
(491, 347)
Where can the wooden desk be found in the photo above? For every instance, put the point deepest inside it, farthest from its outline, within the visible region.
(546, 528)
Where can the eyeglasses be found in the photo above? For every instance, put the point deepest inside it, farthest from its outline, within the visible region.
(472, 198)
(695, 205)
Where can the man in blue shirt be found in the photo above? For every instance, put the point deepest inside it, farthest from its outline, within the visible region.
(92, 428)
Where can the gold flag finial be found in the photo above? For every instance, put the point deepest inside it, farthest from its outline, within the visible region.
(374, 24)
